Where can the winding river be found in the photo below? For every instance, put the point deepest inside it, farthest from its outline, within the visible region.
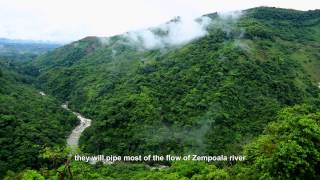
(73, 139)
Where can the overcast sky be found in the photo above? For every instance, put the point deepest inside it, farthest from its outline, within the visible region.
(68, 20)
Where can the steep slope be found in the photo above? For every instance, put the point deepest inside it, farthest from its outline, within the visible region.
(211, 95)
(29, 122)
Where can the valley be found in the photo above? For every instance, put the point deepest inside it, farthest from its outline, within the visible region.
(242, 90)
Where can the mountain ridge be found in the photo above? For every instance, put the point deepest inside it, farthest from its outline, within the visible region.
(242, 84)
(118, 66)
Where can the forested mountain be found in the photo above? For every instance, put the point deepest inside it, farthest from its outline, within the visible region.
(211, 95)
(246, 83)
(29, 122)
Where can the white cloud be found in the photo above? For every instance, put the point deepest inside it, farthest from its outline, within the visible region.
(66, 20)
(177, 32)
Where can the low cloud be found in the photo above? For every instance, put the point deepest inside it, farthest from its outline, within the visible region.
(231, 15)
(176, 32)
(179, 31)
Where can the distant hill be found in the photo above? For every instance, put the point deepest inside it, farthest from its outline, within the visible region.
(24, 50)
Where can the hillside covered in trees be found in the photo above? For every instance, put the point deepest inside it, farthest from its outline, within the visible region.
(247, 86)
(29, 122)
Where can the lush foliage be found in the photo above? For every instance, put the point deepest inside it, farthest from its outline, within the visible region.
(288, 149)
(210, 96)
(28, 122)
(215, 95)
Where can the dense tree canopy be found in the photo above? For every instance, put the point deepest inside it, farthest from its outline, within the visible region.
(212, 95)
(248, 86)
(28, 123)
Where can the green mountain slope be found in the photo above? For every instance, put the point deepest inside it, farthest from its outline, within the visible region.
(210, 96)
(247, 85)
(29, 122)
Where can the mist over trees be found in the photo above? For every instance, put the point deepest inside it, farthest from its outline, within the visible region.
(243, 83)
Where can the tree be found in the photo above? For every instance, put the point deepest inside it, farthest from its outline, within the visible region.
(290, 147)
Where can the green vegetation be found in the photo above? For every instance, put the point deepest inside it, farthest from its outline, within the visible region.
(288, 149)
(210, 96)
(29, 122)
(247, 87)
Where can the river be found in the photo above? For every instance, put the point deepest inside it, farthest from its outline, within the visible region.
(73, 139)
